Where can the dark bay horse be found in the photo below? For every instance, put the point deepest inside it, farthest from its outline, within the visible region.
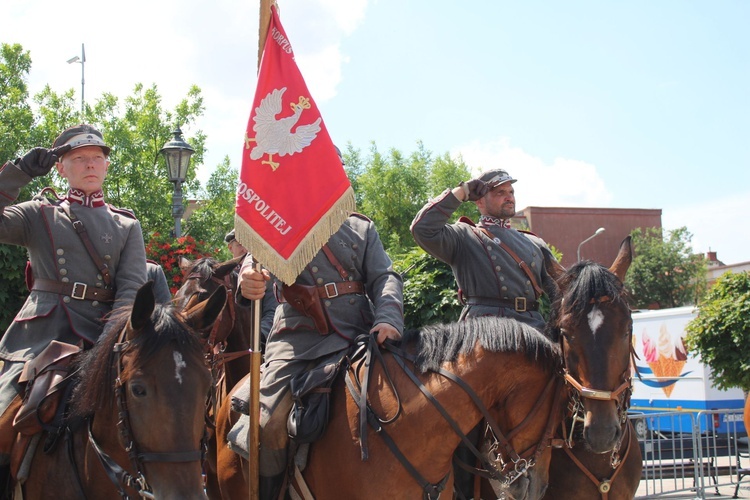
(227, 344)
(138, 409)
(431, 389)
(591, 320)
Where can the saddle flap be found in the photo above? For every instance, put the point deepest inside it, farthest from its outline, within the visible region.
(53, 354)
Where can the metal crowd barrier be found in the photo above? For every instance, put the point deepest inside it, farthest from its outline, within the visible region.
(691, 453)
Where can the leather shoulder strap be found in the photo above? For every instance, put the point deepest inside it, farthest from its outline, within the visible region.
(84, 235)
(524, 267)
(333, 260)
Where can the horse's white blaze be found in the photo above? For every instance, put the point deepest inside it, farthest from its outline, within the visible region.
(179, 365)
(596, 318)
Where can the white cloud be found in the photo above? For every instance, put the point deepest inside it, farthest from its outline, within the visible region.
(563, 183)
(716, 225)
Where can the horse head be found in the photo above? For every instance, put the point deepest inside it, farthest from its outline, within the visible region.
(590, 318)
(160, 389)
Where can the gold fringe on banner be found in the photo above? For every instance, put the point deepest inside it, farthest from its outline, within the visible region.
(287, 270)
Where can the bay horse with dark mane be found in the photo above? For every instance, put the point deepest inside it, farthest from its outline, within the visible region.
(424, 394)
(590, 319)
(138, 420)
(227, 346)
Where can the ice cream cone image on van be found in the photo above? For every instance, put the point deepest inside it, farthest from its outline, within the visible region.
(666, 357)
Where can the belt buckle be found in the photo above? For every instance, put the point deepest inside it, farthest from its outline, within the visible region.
(520, 304)
(335, 290)
(79, 296)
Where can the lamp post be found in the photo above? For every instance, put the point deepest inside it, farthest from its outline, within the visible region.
(597, 233)
(177, 154)
(81, 60)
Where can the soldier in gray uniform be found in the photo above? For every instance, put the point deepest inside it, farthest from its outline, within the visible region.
(360, 294)
(70, 292)
(499, 271)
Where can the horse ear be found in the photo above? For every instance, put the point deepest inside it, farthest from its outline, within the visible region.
(624, 258)
(226, 267)
(554, 268)
(207, 311)
(143, 306)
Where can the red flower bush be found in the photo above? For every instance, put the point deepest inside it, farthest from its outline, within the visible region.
(167, 251)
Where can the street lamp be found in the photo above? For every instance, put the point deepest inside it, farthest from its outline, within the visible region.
(597, 233)
(177, 154)
(81, 60)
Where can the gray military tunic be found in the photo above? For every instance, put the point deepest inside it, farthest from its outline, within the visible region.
(57, 253)
(294, 345)
(489, 278)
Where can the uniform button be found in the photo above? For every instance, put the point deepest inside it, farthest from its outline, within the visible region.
(494, 257)
(489, 247)
(355, 246)
(99, 285)
(497, 268)
(315, 269)
(116, 217)
(94, 303)
(61, 260)
(99, 276)
(65, 280)
(505, 289)
(63, 272)
(354, 257)
(328, 303)
(528, 282)
(502, 278)
(319, 281)
(60, 251)
(66, 299)
(107, 257)
(533, 264)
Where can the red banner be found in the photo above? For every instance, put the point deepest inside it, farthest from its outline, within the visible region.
(293, 192)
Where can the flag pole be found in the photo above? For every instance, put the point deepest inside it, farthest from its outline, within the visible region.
(253, 435)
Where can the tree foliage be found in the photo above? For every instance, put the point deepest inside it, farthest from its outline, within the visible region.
(720, 333)
(665, 273)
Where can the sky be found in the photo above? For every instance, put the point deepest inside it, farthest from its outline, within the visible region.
(636, 104)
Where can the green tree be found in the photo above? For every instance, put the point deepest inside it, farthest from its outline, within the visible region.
(214, 217)
(665, 273)
(720, 333)
(430, 294)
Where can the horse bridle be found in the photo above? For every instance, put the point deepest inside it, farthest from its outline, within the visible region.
(119, 476)
(506, 465)
(620, 395)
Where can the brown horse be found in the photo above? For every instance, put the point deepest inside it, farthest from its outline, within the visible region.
(424, 395)
(138, 420)
(227, 344)
(591, 320)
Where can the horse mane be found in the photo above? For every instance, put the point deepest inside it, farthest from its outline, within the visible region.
(96, 370)
(204, 266)
(583, 283)
(441, 343)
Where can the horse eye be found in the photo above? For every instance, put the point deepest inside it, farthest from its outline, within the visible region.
(138, 390)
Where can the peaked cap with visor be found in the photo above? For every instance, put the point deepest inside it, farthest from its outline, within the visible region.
(80, 136)
(494, 178)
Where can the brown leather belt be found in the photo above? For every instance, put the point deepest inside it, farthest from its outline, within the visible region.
(336, 288)
(77, 290)
(520, 304)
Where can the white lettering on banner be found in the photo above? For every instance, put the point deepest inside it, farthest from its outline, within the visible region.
(263, 208)
(281, 40)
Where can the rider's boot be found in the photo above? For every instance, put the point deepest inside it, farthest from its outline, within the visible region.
(269, 486)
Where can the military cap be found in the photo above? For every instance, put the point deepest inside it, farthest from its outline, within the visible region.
(496, 177)
(80, 136)
(229, 237)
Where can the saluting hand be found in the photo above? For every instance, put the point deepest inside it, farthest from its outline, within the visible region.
(39, 161)
(475, 189)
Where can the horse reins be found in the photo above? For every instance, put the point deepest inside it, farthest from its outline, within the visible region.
(118, 475)
(511, 468)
